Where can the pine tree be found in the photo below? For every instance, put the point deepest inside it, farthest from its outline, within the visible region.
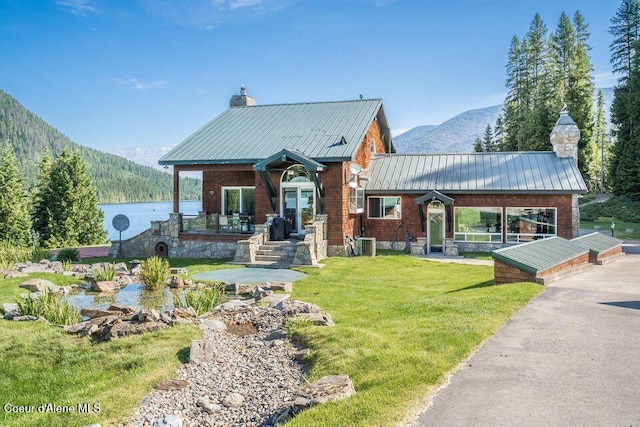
(625, 29)
(487, 140)
(600, 165)
(73, 214)
(477, 146)
(625, 161)
(40, 216)
(15, 224)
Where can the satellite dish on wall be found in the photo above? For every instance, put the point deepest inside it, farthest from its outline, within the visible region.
(353, 184)
(355, 168)
(120, 222)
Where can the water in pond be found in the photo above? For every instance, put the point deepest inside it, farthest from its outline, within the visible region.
(133, 294)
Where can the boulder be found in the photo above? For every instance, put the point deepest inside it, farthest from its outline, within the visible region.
(233, 306)
(201, 350)
(106, 286)
(39, 285)
(188, 313)
(123, 329)
(10, 308)
(125, 309)
(149, 316)
(300, 355)
(214, 324)
(274, 300)
(320, 319)
(93, 313)
(121, 268)
(276, 335)
(259, 293)
(281, 286)
(124, 280)
(10, 274)
(327, 389)
(176, 282)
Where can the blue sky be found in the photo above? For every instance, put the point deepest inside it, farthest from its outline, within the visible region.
(136, 77)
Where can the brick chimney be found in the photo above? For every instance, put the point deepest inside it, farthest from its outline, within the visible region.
(242, 100)
(565, 136)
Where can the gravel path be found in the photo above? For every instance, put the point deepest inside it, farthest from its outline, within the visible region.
(247, 381)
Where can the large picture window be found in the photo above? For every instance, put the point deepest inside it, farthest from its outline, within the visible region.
(526, 224)
(478, 224)
(237, 200)
(385, 207)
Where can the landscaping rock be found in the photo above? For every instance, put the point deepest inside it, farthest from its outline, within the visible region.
(169, 420)
(124, 280)
(259, 293)
(328, 389)
(233, 305)
(13, 273)
(176, 282)
(25, 318)
(93, 313)
(276, 335)
(233, 400)
(121, 268)
(178, 270)
(10, 308)
(124, 309)
(39, 285)
(275, 300)
(213, 324)
(188, 313)
(149, 316)
(201, 350)
(300, 355)
(123, 329)
(106, 286)
(281, 286)
(319, 319)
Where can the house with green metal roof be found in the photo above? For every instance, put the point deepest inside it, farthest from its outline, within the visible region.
(329, 170)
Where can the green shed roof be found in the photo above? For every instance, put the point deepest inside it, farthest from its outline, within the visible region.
(540, 255)
(597, 242)
(323, 131)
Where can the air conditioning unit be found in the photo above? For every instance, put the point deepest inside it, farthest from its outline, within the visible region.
(366, 246)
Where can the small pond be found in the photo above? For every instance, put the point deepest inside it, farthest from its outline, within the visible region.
(133, 294)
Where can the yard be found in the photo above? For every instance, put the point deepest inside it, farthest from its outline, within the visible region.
(401, 324)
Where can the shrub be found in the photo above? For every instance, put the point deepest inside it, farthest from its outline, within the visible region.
(52, 307)
(202, 300)
(155, 272)
(68, 254)
(106, 273)
(38, 253)
(11, 254)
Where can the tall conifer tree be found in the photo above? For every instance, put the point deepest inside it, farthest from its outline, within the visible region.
(15, 224)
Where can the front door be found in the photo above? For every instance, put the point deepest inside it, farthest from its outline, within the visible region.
(435, 229)
(298, 206)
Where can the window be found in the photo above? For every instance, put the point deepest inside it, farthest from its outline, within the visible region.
(356, 200)
(478, 224)
(385, 207)
(238, 200)
(372, 146)
(526, 224)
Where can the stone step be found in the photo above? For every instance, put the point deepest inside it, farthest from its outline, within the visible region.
(274, 258)
(267, 264)
(275, 252)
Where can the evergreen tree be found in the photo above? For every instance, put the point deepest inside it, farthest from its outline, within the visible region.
(40, 216)
(498, 133)
(477, 146)
(487, 140)
(15, 225)
(625, 161)
(600, 165)
(73, 214)
(625, 29)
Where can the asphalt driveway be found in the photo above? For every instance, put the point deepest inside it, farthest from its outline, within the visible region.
(570, 358)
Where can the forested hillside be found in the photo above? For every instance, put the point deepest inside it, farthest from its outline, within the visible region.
(116, 179)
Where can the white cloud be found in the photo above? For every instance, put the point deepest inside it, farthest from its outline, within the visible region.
(238, 4)
(77, 7)
(138, 84)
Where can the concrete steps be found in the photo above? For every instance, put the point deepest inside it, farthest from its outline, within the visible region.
(276, 254)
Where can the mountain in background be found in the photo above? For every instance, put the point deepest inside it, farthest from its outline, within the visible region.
(116, 179)
(458, 134)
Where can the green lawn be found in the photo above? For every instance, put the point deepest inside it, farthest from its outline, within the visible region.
(620, 230)
(42, 364)
(401, 324)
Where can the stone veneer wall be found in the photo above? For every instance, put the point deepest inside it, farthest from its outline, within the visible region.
(180, 245)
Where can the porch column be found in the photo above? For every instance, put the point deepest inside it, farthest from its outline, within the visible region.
(176, 190)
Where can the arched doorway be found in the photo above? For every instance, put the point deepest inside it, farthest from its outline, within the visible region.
(435, 226)
(298, 197)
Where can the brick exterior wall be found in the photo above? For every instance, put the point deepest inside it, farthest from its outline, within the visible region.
(606, 254)
(504, 273)
(384, 229)
(575, 262)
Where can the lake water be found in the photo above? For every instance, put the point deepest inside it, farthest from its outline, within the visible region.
(141, 214)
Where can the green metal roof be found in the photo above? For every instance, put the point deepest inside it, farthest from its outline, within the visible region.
(282, 156)
(597, 242)
(324, 131)
(540, 255)
(504, 172)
